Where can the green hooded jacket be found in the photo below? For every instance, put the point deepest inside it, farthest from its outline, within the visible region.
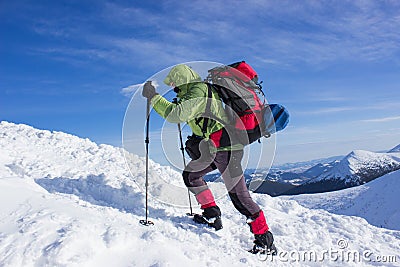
(192, 99)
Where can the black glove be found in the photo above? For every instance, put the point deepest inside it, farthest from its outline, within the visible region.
(149, 91)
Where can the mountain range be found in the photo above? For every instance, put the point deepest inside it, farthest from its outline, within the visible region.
(358, 167)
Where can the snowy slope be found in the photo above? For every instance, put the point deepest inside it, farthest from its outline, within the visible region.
(376, 201)
(66, 201)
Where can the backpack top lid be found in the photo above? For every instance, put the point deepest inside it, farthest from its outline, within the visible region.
(246, 69)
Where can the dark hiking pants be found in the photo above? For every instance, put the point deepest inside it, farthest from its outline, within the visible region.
(229, 165)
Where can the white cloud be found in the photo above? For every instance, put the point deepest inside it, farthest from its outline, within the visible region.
(385, 119)
(325, 110)
(131, 89)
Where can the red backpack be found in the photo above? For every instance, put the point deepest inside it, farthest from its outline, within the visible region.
(238, 87)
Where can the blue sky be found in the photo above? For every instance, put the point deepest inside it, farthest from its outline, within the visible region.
(334, 64)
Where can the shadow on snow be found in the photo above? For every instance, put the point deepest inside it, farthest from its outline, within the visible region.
(94, 190)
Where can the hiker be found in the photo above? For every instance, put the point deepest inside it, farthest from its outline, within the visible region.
(218, 149)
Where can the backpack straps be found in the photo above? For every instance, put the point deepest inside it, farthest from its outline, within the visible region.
(207, 112)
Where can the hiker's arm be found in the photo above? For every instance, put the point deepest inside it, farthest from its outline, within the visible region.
(191, 106)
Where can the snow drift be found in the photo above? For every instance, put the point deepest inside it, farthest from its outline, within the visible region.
(66, 201)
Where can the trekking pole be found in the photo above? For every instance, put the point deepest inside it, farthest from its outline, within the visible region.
(147, 141)
(175, 101)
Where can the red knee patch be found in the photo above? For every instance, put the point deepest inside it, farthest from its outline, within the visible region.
(259, 226)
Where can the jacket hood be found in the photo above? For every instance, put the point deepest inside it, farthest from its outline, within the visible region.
(182, 75)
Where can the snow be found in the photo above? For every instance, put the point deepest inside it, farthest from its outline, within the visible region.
(319, 169)
(66, 201)
(376, 201)
(361, 165)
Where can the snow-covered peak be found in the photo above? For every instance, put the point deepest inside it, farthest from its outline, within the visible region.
(359, 159)
(395, 149)
(28, 146)
(361, 166)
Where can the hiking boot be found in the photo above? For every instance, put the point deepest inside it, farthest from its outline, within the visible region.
(211, 216)
(264, 244)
